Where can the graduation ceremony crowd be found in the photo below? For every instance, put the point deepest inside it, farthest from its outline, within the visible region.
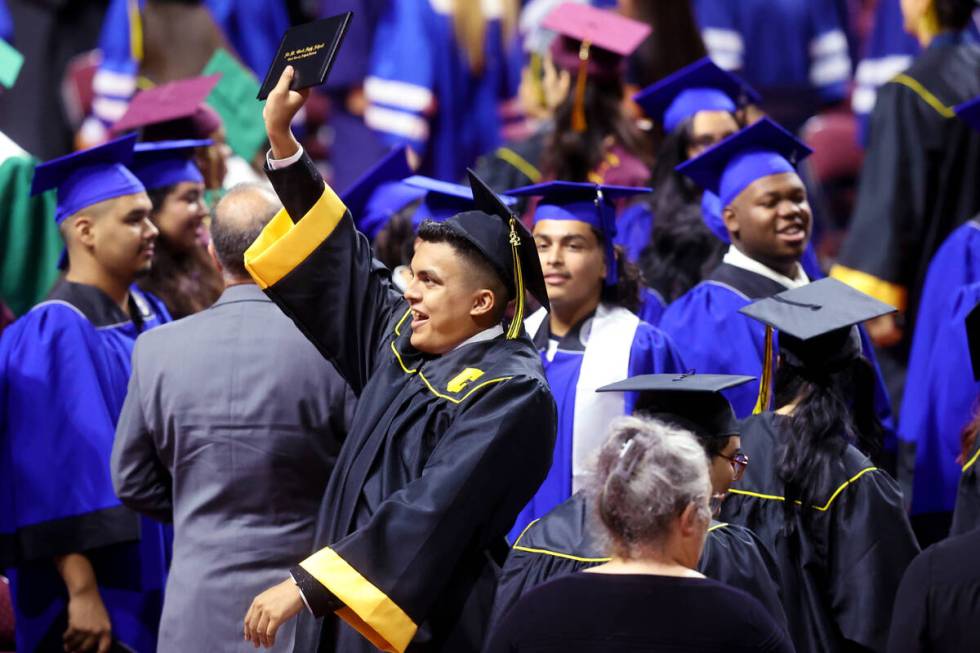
(541, 325)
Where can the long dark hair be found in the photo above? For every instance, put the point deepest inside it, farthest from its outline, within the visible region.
(681, 249)
(187, 282)
(674, 43)
(626, 292)
(835, 408)
(571, 155)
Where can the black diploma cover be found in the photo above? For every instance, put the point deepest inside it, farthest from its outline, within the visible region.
(310, 49)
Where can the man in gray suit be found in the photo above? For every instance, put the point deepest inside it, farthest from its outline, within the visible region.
(230, 429)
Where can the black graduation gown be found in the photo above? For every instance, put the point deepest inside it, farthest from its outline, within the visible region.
(567, 540)
(842, 563)
(514, 164)
(443, 452)
(937, 604)
(966, 514)
(921, 177)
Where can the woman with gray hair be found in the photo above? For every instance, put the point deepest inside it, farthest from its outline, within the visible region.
(651, 494)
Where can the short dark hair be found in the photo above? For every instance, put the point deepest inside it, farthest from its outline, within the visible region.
(232, 237)
(954, 14)
(487, 275)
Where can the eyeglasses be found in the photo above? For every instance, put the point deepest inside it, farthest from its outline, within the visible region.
(738, 462)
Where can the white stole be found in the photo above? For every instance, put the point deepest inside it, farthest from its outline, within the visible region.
(606, 360)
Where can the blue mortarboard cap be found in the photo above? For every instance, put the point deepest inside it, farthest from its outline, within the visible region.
(758, 151)
(711, 214)
(584, 202)
(969, 112)
(165, 163)
(701, 86)
(378, 194)
(443, 200)
(88, 177)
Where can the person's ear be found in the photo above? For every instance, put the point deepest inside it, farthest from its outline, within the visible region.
(483, 303)
(83, 229)
(731, 221)
(691, 522)
(214, 257)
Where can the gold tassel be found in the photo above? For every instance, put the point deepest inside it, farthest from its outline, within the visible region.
(765, 391)
(537, 80)
(517, 322)
(135, 31)
(578, 109)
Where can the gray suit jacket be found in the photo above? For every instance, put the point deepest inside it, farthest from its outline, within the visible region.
(230, 429)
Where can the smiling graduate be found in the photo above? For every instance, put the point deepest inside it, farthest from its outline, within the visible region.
(455, 423)
(84, 570)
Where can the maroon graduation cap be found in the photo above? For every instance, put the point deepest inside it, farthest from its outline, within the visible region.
(182, 99)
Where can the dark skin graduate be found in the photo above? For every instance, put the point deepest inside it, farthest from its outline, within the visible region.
(449, 305)
(770, 221)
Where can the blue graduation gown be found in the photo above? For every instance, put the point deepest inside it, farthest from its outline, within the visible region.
(421, 91)
(64, 370)
(608, 346)
(716, 339)
(940, 394)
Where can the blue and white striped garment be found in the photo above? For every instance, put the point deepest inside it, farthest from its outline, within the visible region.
(779, 43)
(421, 91)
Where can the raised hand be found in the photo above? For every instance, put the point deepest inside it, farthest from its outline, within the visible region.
(281, 107)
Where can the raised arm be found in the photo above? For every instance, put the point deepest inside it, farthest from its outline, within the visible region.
(312, 261)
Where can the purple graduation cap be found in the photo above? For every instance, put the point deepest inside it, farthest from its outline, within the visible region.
(700, 86)
(758, 151)
(442, 200)
(88, 177)
(177, 108)
(584, 202)
(166, 163)
(378, 194)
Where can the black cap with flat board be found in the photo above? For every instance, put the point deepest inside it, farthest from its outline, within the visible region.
(506, 244)
(310, 49)
(691, 401)
(815, 321)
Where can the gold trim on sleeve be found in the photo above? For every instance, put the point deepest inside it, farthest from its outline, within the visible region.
(368, 609)
(283, 245)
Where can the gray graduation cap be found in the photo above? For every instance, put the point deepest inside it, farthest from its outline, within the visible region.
(692, 401)
(816, 321)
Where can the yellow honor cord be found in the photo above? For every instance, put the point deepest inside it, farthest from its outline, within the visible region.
(135, 30)
(762, 404)
(517, 322)
(578, 109)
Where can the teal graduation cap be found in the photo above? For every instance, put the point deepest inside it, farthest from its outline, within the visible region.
(692, 401)
(758, 151)
(166, 163)
(700, 86)
(969, 112)
(88, 177)
(378, 194)
(584, 202)
(442, 200)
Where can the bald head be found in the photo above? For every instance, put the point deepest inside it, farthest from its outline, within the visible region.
(239, 218)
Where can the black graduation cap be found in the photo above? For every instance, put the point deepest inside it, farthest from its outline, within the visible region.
(506, 243)
(815, 322)
(692, 401)
(973, 337)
